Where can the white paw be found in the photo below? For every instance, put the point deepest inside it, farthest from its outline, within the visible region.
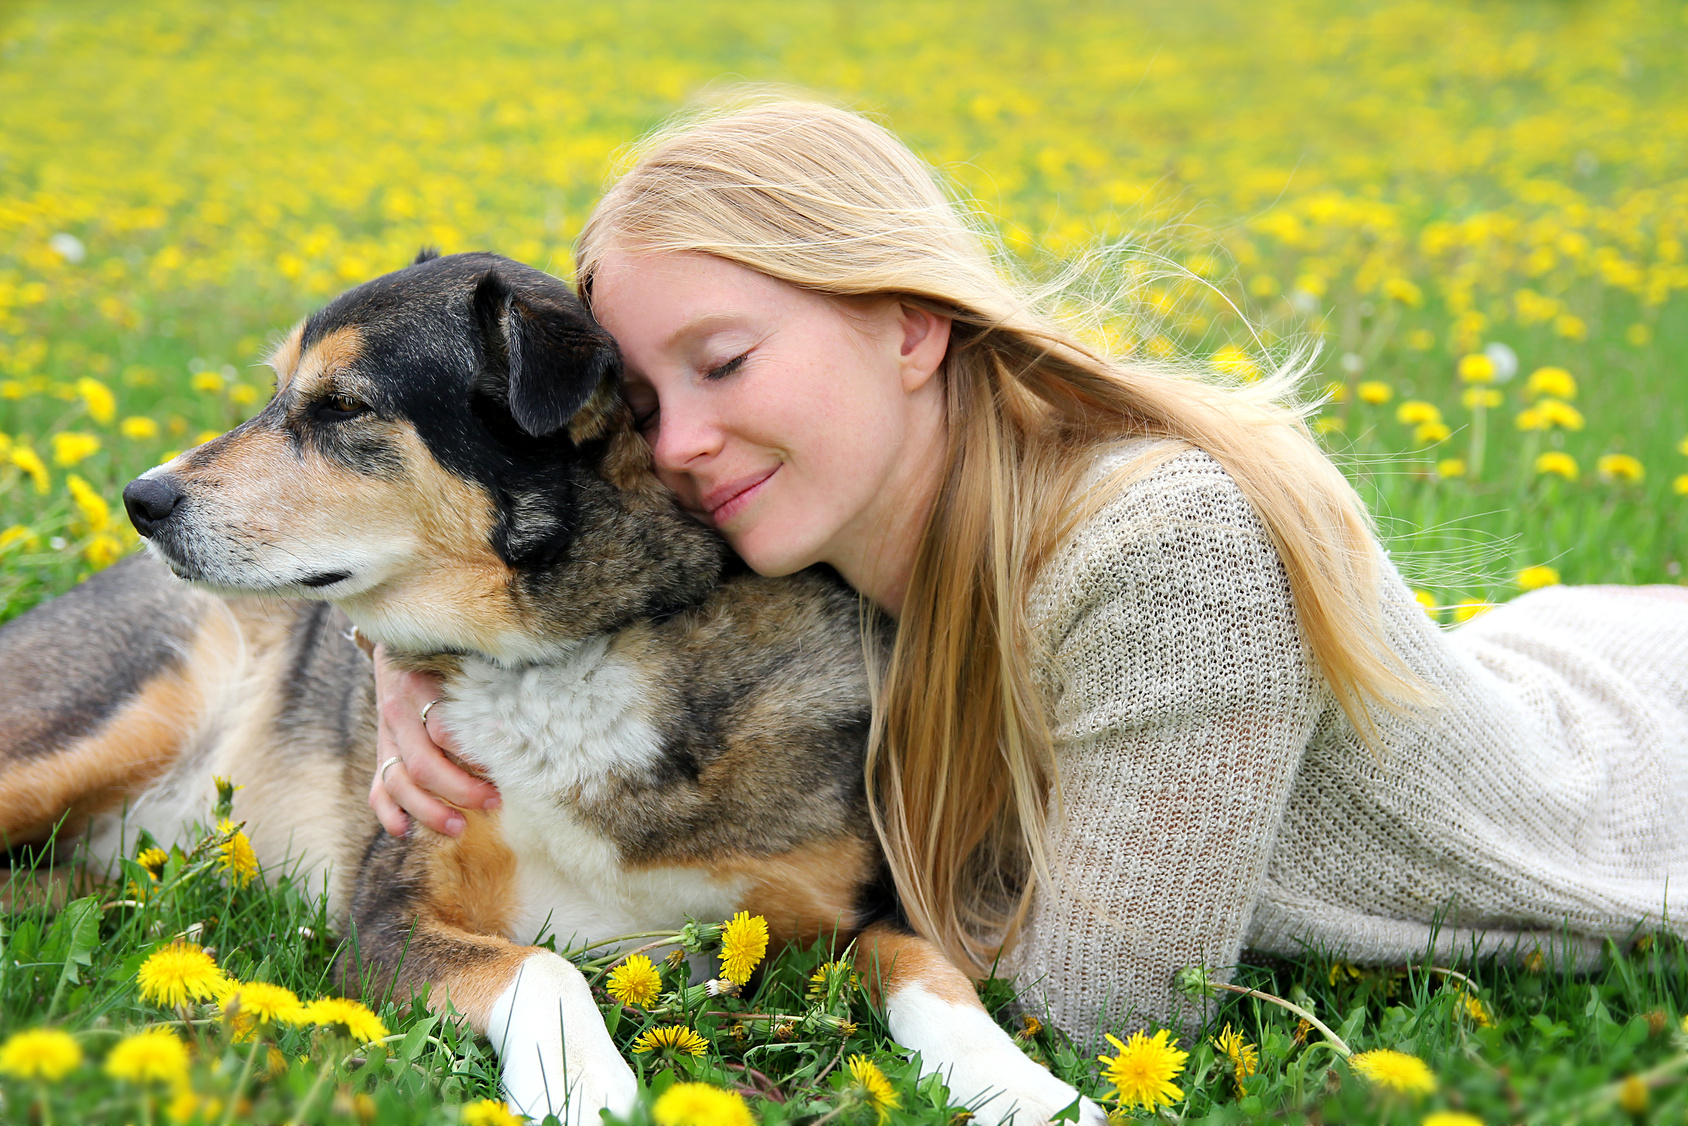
(575, 1099)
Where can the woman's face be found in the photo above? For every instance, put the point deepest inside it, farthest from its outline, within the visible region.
(805, 429)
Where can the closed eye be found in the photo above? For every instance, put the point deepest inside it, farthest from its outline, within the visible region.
(722, 371)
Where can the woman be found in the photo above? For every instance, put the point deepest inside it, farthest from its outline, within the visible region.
(1157, 694)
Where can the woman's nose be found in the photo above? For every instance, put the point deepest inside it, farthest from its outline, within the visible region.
(679, 441)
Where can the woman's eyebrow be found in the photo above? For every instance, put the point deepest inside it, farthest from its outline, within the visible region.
(702, 326)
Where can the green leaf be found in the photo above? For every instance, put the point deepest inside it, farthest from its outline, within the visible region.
(76, 932)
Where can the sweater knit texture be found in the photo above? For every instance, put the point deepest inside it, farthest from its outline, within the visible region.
(1214, 796)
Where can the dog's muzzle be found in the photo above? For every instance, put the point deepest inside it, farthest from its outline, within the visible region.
(150, 501)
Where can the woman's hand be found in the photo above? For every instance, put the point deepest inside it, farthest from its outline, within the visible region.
(423, 774)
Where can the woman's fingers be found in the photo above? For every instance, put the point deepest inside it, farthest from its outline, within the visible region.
(422, 775)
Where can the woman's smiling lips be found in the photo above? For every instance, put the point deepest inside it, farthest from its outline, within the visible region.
(724, 501)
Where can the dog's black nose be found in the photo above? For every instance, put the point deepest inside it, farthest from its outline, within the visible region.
(150, 500)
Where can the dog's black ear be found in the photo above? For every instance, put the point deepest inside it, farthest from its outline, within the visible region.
(548, 351)
(426, 254)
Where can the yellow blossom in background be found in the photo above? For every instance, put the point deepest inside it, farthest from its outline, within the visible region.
(1432, 433)
(1633, 1095)
(1571, 327)
(1476, 368)
(1555, 382)
(153, 1055)
(1328, 424)
(1619, 467)
(1682, 447)
(1374, 392)
(1551, 413)
(235, 855)
(872, 1087)
(1143, 1070)
(138, 428)
(1417, 412)
(72, 446)
(1638, 335)
(1404, 291)
(1534, 578)
(1336, 391)
(97, 397)
(699, 1104)
(635, 982)
(1679, 486)
(821, 981)
(95, 512)
(1450, 467)
(30, 462)
(486, 1112)
(1421, 340)
(206, 382)
(1474, 1007)
(40, 1053)
(102, 551)
(205, 436)
(744, 940)
(1394, 1071)
(1450, 1118)
(1427, 600)
(352, 1017)
(1557, 463)
(18, 533)
(264, 1002)
(1233, 361)
(1471, 397)
(243, 394)
(670, 1038)
(179, 973)
(1465, 611)
(153, 860)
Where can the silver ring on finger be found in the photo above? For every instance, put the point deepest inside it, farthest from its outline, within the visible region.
(381, 774)
(427, 707)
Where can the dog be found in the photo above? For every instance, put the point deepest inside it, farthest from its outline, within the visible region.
(446, 465)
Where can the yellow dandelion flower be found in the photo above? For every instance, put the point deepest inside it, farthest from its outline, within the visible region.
(97, 397)
(1328, 424)
(1633, 1096)
(153, 860)
(1534, 578)
(744, 940)
(1394, 1071)
(1416, 412)
(1682, 446)
(264, 1002)
(1487, 397)
(1432, 433)
(1244, 1057)
(93, 509)
(1232, 360)
(73, 446)
(699, 1104)
(1534, 963)
(1531, 419)
(1465, 611)
(635, 982)
(235, 855)
(871, 1086)
(1475, 1009)
(1143, 1071)
(1679, 486)
(102, 551)
(1374, 392)
(1450, 467)
(206, 382)
(243, 394)
(1559, 463)
(1476, 367)
(179, 973)
(40, 1053)
(1620, 467)
(1554, 382)
(1427, 600)
(352, 1017)
(18, 533)
(828, 972)
(138, 428)
(30, 462)
(1450, 1118)
(669, 1039)
(1421, 340)
(1336, 392)
(1570, 326)
(153, 1055)
(1639, 335)
(205, 436)
(1404, 291)
(1553, 413)
(486, 1112)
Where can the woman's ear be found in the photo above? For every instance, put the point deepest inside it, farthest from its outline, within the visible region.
(925, 343)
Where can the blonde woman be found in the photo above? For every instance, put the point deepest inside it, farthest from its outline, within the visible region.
(1157, 693)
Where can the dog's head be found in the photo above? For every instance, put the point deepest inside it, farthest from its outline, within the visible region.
(447, 458)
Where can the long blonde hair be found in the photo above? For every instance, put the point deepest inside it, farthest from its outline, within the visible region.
(960, 766)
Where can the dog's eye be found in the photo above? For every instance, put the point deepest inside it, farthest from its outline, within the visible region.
(336, 408)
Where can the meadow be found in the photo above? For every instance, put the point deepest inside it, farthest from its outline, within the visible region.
(1478, 212)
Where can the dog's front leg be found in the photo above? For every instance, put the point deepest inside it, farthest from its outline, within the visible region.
(932, 1008)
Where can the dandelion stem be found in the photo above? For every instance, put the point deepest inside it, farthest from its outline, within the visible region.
(310, 1096)
(1479, 431)
(1336, 1042)
(245, 1074)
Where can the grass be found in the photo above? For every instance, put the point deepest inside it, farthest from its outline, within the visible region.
(1406, 182)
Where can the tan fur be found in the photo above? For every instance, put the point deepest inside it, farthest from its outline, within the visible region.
(327, 358)
(806, 894)
(472, 878)
(480, 972)
(888, 959)
(284, 357)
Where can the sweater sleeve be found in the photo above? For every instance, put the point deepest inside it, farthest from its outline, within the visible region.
(1181, 700)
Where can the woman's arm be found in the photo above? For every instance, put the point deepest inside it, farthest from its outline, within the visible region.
(423, 775)
(1183, 699)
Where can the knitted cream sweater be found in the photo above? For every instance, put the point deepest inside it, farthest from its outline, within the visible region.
(1215, 797)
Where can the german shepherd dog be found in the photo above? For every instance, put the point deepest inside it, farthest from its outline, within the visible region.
(447, 465)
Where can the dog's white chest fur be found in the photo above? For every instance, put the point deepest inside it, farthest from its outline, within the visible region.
(546, 734)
